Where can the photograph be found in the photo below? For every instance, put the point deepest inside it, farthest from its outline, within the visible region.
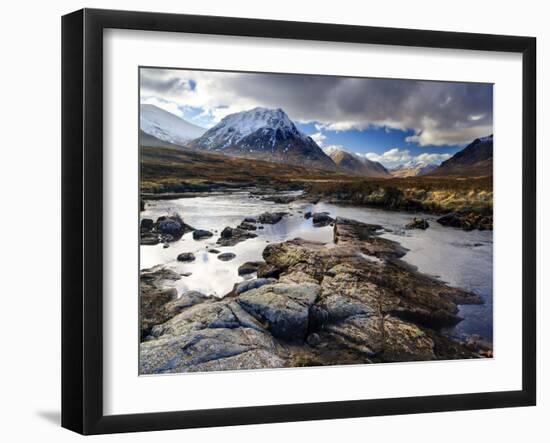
(292, 220)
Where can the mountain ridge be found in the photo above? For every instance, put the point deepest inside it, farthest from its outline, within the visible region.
(475, 160)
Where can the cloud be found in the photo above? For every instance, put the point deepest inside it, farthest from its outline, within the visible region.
(329, 149)
(432, 159)
(318, 138)
(438, 113)
(171, 107)
(395, 157)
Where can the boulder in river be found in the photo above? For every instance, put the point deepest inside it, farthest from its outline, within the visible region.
(172, 225)
(199, 234)
(231, 236)
(418, 223)
(226, 256)
(271, 218)
(321, 219)
(166, 229)
(186, 257)
(247, 226)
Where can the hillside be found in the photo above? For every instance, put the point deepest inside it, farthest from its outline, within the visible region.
(360, 166)
(475, 160)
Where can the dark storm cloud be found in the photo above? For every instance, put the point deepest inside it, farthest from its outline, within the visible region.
(438, 112)
(162, 84)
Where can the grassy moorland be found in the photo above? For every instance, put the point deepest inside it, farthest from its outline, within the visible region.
(165, 169)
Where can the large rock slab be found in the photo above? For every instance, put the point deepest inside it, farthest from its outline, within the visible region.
(218, 335)
(283, 307)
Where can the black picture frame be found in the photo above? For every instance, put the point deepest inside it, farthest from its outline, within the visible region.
(82, 218)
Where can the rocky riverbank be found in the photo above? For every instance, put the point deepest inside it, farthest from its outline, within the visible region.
(465, 204)
(348, 302)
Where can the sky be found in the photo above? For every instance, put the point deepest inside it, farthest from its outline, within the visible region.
(392, 121)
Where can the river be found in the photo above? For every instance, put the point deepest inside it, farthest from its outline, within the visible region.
(459, 258)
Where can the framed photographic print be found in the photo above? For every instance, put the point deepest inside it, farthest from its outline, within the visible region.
(270, 221)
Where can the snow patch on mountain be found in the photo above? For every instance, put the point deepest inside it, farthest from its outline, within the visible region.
(166, 126)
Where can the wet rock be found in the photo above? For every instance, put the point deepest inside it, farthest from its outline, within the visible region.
(467, 221)
(172, 225)
(313, 339)
(307, 215)
(209, 336)
(247, 226)
(226, 256)
(231, 236)
(321, 219)
(249, 267)
(150, 308)
(186, 274)
(166, 245)
(271, 218)
(146, 225)
(269, 271)
(479, 345)
(250, 220)
(418, 223)
(149, 239)
(285, 307)
(199, 234)
(253, 284)
(154, 294)
(186, 300)
(186, 257)
(378, 310)
(280, 199)
(166, 229)
(213, 251)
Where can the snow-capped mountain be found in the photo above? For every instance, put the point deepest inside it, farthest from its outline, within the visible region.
(474, 160)
(167, 127)
(355, 164)
(412, 169)
(266, 134)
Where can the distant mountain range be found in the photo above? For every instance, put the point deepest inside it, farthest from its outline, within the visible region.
(270, 135)
(475, 160)
(166, 126)
(356, 165)
(412, 169)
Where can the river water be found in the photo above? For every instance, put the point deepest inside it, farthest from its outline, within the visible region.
(459, 258)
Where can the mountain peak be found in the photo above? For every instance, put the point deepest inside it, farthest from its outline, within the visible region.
(263, 133)
(356, 164)
(476, 159)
